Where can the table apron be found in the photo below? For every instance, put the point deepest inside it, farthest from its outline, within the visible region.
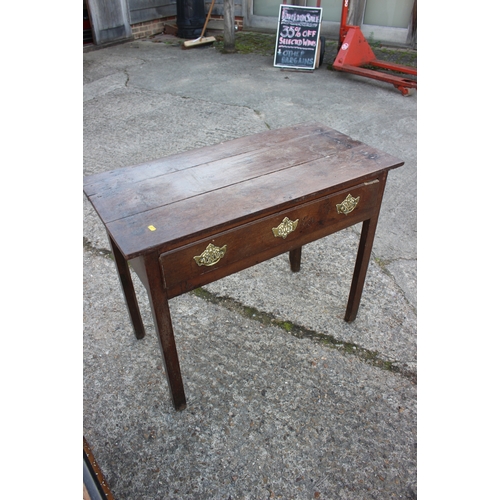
(258, 241)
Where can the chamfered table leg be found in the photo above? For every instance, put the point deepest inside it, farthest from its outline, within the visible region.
(161, 315)
(128, 290)
(294, 256)
(363, 257)
(360, 268)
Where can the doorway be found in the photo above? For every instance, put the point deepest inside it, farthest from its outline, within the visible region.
(88, 39)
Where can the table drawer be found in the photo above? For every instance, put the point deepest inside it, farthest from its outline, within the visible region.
(207, 260)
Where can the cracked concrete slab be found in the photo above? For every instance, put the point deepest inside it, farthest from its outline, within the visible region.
(405, 274)
(104, 85)
(269, 415)
(139, 126)
(316, 298)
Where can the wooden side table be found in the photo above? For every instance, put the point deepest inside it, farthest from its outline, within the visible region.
(192, 218)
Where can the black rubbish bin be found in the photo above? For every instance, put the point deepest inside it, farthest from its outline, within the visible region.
(190, 18)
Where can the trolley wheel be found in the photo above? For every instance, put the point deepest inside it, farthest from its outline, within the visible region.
(405, 91)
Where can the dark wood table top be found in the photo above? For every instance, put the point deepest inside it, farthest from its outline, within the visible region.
(188, 196)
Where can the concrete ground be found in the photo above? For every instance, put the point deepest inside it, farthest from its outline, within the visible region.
(285, 399)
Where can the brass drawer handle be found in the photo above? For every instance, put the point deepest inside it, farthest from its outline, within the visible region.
(348, 205)
(285, 228)
(211, 255)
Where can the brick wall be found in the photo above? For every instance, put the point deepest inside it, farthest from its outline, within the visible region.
(149, 28)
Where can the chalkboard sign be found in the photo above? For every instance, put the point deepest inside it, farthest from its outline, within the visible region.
(297, 37)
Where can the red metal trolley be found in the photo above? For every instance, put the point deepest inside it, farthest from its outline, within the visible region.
(355, 53)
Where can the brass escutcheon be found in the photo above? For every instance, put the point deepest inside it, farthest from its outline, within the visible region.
(211, 255)
(348, 205)
(285, 228)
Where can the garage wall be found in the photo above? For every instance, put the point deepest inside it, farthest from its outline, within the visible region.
(147, 10)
